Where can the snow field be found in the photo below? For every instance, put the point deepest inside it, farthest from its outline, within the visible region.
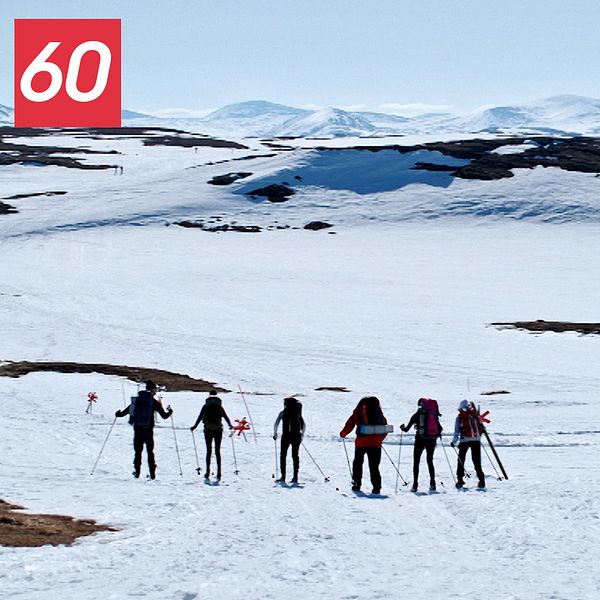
(399, 312)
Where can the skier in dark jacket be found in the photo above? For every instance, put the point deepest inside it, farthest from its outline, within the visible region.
(211, 414)
(141, 416)
(292, 432)
(369, 421)
(424, 440)
(467, 433)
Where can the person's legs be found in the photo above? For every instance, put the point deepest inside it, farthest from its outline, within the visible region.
(208, 438)
(430, 449)
(295, 442)
(285, 444)
(218, 436)
(476, 458)
(374, 456)
(149, 440)
(138, 446)
(357, 467)
(460, 465)
(417, 451)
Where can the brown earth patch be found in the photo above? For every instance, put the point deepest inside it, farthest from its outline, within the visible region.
(540, 326)
(171, 382)
(22, 530)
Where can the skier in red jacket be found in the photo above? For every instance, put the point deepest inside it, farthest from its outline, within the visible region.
(369, 421)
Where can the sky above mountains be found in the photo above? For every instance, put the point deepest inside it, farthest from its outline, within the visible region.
(393, 55)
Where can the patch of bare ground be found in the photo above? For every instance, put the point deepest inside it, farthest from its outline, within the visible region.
(171, 382)
(23, 530)
(332, 388)
(540, 326)
(494, 393)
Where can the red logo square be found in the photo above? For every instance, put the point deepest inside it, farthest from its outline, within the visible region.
(67, 73)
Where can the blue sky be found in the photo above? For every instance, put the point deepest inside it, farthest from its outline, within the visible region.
(457, 54)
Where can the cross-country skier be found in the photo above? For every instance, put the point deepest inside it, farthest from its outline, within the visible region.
(467, 432)
(141, 416)
(366, 417)
(428, 429)
(211, 416)
(292, 432)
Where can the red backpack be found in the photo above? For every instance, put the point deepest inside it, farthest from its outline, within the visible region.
(429, 426)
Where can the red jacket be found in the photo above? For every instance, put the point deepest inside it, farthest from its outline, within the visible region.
(362, 441)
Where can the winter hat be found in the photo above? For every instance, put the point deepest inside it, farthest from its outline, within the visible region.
(464, 405)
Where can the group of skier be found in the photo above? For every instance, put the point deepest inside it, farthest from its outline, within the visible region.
(367, 420)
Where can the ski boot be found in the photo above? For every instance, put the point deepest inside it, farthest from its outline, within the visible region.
(481, 484)
(460, 483)
(414, 487)
(432, 487)
(355, 487)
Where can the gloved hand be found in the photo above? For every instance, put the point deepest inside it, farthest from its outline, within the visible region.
(342, 434)
(404, 428)
(452, 444)
(192, 428)
(275, 437)
(118, 413)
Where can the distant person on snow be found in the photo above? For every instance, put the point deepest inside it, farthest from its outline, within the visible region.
(292, 432)
(428, 429)
(467, 432)
(211, 416)
(371, 430)
(141, 416)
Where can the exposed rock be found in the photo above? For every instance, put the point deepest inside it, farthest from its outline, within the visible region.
(541, 326)
(23, 530)
(7, 209)
(228, 178)
(172, 382)
(317, 225)
(273, 193)
(218, 228)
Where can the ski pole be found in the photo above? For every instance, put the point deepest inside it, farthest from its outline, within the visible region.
(348, 461)
(249, 415)
(176, 446)
(399, 455)
(447, 459)
(492, 447)
(234, 457)
(275, 448)
(467, 473)
(316, 464)
(394, 465)
(102, 449)
(196, 453)
(498, 476)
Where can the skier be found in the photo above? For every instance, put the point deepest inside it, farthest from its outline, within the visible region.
(428, 429)
(211, 414)
(369, 421)
(292, 432)
(141, 416)
(467, 431)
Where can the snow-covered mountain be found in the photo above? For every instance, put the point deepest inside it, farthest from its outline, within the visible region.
(6, 115)
(330, 122)
(567, 114)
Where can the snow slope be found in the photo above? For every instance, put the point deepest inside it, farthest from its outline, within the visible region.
(396, 304)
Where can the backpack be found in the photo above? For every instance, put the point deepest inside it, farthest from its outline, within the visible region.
(469, 424)
(429, 426)
(370, 418)
(141, 411)
(292, 416)
(212, 413)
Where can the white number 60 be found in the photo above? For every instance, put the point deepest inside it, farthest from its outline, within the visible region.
(40, 64)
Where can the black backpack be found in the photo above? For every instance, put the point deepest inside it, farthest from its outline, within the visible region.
(292, 416)
(141, 412)
(212, 413)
